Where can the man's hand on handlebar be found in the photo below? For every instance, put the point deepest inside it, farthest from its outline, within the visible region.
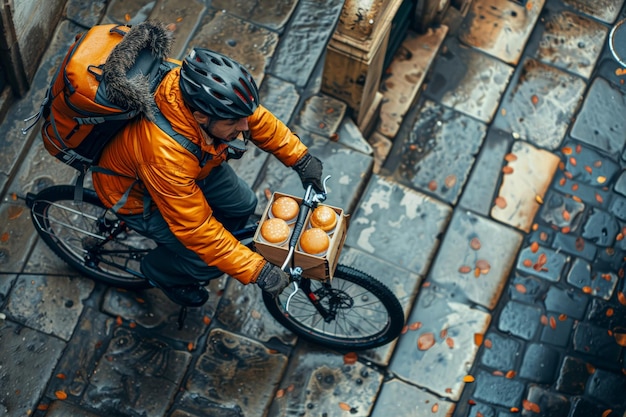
(272, 279)
(309, 168)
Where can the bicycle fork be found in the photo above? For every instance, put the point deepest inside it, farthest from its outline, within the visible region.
(328, 314)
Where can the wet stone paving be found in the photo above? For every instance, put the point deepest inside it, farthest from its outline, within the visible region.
(491, 199)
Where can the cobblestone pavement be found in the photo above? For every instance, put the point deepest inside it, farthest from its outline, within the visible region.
(494, 206)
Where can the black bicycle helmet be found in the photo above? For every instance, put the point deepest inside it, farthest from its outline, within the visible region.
(217, 86)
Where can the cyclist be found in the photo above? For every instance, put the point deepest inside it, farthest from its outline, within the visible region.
(213, 101)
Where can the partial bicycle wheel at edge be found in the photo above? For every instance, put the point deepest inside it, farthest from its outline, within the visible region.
(366, 313)
(83, 234)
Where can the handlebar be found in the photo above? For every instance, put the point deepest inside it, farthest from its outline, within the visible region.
(310, 200)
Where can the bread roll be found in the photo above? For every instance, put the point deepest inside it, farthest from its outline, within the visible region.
(275, 231)
(314, 241)
(285, 208)
(324, 217)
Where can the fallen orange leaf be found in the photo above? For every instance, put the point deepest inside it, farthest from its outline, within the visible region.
(500, 202)
(280, 393)
(562, 317)
(620, 336)
(61, 395)
(450, 342)
(510, 157)
(587, 289)
(415, 325)
(527, 263)
(520, 288)
(450, 181)
(552, 322)
(475, 243)
(590, 368)
(345, 406)
(206, 320)
(465, 269)
(425, 341)
(350, 358)
(510, 374)
(432, 185)
(483, 266)
(435, 408)
(566, 150)
(542, 259)
(607, 412)
(507, 170)
(468, 378)
(534, 247)
(609, 312)
(488, 343)
(478, 339)
(534, 99)
(621, 297)
(530, 406)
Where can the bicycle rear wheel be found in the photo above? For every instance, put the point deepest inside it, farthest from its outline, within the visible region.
(89, 237)
(361, 313)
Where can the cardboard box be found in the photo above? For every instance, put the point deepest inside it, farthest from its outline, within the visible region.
(314, 267)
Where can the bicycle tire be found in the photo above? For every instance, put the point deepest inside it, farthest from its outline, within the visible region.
(346, 332)
(71, 229)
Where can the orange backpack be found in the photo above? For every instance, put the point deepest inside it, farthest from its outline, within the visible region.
(85, 105)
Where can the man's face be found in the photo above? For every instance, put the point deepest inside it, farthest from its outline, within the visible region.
(226, 130)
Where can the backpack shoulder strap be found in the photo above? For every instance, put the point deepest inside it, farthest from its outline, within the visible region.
(166, 126)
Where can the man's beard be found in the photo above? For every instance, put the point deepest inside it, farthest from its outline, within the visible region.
(216, 140)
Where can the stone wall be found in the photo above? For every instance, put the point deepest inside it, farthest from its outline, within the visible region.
(27, 26)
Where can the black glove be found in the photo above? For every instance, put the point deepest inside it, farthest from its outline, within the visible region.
(309, 168)
(272, 279)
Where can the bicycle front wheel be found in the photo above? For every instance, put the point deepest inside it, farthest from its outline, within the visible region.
(353, 311)
(89, 237)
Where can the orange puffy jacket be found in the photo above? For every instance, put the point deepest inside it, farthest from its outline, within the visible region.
(169, 173)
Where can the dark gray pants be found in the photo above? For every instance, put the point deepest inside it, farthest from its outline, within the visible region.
(171, 263)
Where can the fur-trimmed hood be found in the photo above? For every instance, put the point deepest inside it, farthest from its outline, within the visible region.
(134, 92)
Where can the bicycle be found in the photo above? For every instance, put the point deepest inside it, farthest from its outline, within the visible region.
(352, 311)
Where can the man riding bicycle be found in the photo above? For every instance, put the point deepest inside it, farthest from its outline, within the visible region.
(189, 209)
